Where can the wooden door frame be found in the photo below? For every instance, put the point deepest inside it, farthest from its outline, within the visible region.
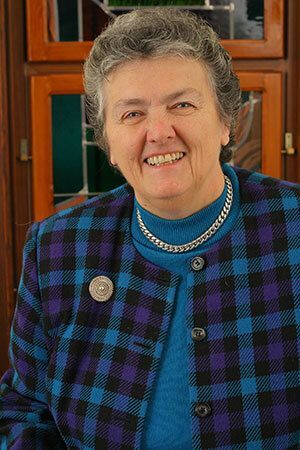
(6, 219)
(298, 91)
(41, 49)
(292, 123)
(15, 174)
(41, 89)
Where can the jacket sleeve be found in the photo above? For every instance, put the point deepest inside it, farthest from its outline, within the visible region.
(25, 420)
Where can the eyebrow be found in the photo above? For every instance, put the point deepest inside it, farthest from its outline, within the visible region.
(181, 93)
(138, 101)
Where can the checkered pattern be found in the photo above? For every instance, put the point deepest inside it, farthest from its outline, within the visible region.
(82, 371)
(246, 299)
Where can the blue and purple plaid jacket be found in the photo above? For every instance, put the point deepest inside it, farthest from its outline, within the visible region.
(82, 371)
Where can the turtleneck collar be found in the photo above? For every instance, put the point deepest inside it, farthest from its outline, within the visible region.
(184, 230)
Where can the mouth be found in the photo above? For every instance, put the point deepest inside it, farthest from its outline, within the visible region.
(168, 158)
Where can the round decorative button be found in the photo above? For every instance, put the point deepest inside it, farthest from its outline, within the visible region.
(101, 288)
(198, 334)
(197, 263)
(203, 409)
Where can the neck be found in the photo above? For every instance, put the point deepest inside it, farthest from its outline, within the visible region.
(186, 204)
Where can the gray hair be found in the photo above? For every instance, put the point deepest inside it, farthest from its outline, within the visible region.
(157, 32)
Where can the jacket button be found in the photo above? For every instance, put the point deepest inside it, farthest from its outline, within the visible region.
(203, 409)
(197, 263)
(198, 334)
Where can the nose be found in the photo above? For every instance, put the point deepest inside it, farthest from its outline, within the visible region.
(159, 130)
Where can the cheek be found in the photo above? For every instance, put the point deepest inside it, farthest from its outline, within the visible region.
(122, 155)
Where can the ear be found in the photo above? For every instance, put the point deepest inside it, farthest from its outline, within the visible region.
(112, 159)
(225, 135)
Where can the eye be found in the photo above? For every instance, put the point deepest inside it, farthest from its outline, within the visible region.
(132, 115)
(184, 105)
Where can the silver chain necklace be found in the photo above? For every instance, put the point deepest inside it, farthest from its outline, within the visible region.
(200, 239)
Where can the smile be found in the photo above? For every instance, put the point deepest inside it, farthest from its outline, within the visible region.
(164, 159)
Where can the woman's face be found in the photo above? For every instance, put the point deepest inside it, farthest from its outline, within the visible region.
(164, 133)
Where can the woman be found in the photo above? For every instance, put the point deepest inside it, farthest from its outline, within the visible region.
(160, 315)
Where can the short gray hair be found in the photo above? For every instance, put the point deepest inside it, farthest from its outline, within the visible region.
(156, 32)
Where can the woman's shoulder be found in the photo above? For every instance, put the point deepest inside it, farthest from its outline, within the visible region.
(259, 186)
(106, 205)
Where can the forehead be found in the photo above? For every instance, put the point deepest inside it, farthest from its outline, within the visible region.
(156, 78)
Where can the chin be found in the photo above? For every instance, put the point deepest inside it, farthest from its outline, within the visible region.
(166, 193)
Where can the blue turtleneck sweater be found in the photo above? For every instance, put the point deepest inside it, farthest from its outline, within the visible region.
(167, 424)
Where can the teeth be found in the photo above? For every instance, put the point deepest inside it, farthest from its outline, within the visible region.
(162, 159)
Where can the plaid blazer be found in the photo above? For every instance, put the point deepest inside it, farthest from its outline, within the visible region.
(82, 371)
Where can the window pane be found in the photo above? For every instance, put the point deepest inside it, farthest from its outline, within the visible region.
(80, 169)
(77, 20)
(247, 151)
(67, 154)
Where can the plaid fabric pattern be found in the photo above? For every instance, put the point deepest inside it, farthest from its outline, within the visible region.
(247, 298)
(82, 371)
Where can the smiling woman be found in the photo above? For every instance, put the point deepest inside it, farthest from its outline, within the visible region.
(157, 107)
(160, 315)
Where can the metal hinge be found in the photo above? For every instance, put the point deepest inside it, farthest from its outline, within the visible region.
(24, 150)
(289, 150)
